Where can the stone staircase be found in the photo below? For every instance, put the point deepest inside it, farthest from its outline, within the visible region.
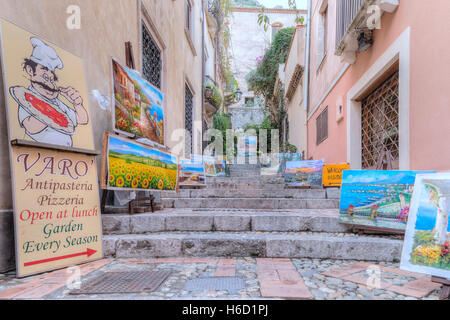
(245, 215)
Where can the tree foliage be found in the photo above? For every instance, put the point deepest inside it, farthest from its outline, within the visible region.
(262, 80)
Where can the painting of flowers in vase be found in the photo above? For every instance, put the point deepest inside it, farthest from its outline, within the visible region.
(427, 242)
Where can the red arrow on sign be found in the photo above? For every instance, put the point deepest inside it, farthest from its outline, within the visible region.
(88, 253)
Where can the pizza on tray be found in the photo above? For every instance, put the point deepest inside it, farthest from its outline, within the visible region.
(46, 112)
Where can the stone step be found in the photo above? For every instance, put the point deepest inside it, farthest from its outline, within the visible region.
(275, 179)
(245, 167)
(225, 220)
(244, 174)
(246, 186)
(250, 203)
(250, 193)
(248, 244)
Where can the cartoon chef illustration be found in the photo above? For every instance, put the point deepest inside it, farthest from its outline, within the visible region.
(41, 113)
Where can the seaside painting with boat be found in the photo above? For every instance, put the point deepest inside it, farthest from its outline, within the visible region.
(192, 172)
(379, 199)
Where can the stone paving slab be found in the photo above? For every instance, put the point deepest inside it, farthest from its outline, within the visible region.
(418, 286)
(279, 278)
(39, 286)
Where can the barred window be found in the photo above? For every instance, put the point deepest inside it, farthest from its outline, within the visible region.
(188, 120)
(322, 127)
(380, 123)
(151, 58)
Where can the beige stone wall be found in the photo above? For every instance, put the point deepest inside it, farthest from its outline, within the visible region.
(295, 106)
(182, 63)
(105, 27)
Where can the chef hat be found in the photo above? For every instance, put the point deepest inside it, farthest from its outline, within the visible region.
(45, 55)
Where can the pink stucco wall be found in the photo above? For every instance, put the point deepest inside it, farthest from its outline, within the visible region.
(429, 85)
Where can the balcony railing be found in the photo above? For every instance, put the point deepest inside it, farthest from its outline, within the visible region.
(354, 32)
(347, 11)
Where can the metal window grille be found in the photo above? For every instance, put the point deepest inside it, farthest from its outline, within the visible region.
(380, 123)
(188, 115)
(322, 127)
(151, 58)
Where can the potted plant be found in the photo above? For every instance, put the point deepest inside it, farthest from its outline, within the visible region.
(208, 92)
(300, 22)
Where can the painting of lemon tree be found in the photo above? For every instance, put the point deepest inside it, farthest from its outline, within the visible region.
(427, 241)
(138, 105)
(376, 198)
(134, 166)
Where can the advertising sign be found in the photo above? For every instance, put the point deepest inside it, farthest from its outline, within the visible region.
(56, 209)
(332, 174)
(45, 89)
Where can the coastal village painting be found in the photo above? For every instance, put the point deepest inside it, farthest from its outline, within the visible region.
(138, 105)
(379, 199)
(427, 241)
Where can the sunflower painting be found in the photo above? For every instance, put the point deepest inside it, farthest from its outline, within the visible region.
(134, 166)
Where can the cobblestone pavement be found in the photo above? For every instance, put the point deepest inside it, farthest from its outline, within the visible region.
(264, 278)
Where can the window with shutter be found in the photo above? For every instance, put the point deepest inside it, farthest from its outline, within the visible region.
(322, 127)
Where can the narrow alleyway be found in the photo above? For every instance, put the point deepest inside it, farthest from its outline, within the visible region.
(246, 229)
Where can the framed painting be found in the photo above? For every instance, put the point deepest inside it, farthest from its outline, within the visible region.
(220, 166)
(304, 173)
(192, 173)
(210, 166)
(426, 247)
(138, 105)
(134, 166)
(376, 199)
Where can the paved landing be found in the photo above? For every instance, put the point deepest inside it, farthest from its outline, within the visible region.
(261, 278)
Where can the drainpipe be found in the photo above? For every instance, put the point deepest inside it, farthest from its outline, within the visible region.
(306, 93)
(203, 75)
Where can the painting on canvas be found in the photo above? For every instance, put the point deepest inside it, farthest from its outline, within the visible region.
(426, 247)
